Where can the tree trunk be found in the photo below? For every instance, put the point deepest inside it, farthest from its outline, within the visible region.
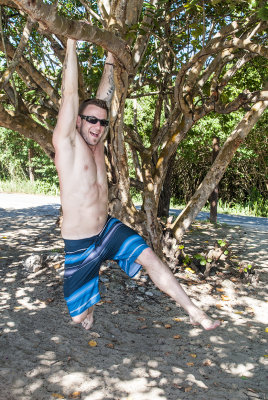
(213, 199)
(217, 170)
(164, 200)
(30, 167)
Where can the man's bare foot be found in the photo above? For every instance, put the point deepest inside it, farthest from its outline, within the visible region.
(88, 321)
(202, 319)
(85, 319)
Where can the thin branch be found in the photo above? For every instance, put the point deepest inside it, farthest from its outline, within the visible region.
(133, 138)
(13, 97)
(91, 12)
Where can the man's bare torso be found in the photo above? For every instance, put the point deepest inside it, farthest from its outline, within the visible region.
(83, 187)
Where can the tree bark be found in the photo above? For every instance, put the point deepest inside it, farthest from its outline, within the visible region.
(30, 166)
(213, 198)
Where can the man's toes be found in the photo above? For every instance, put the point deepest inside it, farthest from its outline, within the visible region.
(209, 325)
(88, 322)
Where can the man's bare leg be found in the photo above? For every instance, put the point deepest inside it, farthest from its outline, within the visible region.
(164, 279)
(85, 319)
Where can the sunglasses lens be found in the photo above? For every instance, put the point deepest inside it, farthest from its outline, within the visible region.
(103, 122)
(92, 120)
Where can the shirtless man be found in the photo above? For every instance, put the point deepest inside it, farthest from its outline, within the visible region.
(90, 235)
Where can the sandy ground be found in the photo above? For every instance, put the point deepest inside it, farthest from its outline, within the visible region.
(142, 346)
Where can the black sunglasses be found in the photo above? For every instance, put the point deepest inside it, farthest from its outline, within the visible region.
(94, 120)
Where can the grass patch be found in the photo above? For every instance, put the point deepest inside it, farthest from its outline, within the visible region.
(257, 207)
(25, 186)
(252, 208)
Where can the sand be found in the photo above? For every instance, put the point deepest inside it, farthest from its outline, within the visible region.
(142, 346)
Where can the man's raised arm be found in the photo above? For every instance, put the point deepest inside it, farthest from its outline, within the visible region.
(67, 117)
(106, 87)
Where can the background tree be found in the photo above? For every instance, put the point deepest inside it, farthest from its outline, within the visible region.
(186, 54)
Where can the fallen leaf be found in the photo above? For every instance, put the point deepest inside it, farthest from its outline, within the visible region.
(219, 306)
(92, 343)
(57, 266)
(233, 279)
(219, 289)
(176, 336)
(225, 298)
(110, 345)
(177, 386)
(49, 300)
(190, 270)
(265, 355)
(188, 389)
(95, 334)
(238, 312)
(75, 395)
(251, 390)
(190, 364)
(266, 330)
(176, 319)
(207, 362)
(141, 318)
(58, 396)
(193, 355)
(143, 327)
(167, 326)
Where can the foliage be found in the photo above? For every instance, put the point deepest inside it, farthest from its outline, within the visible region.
(15, 163)
(26, 186)
(244, 180)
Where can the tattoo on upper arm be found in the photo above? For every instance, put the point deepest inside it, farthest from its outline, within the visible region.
(110, 89)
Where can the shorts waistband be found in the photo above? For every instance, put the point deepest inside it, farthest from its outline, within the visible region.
(72, 245)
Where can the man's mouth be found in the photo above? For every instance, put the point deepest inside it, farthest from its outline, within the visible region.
(94, 134)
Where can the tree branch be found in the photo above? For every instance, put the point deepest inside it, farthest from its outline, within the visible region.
(34, 74)
(49, 20)
(133, 138)
(18, 53)
(26, 126)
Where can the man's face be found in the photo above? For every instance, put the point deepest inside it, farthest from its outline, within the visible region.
(92, 133)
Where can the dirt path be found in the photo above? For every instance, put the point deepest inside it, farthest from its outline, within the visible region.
(142, 346)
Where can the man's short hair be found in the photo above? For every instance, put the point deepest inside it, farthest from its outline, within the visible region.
(95, 102)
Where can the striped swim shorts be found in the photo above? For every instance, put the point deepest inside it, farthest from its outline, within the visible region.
(83, 259)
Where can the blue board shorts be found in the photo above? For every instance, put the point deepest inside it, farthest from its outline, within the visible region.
(83, 259)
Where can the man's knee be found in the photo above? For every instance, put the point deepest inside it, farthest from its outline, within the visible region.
(146, 256)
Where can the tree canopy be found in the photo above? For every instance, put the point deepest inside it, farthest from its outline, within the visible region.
(190, 58)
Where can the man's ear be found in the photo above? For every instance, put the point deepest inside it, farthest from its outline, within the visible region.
(78, 121)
